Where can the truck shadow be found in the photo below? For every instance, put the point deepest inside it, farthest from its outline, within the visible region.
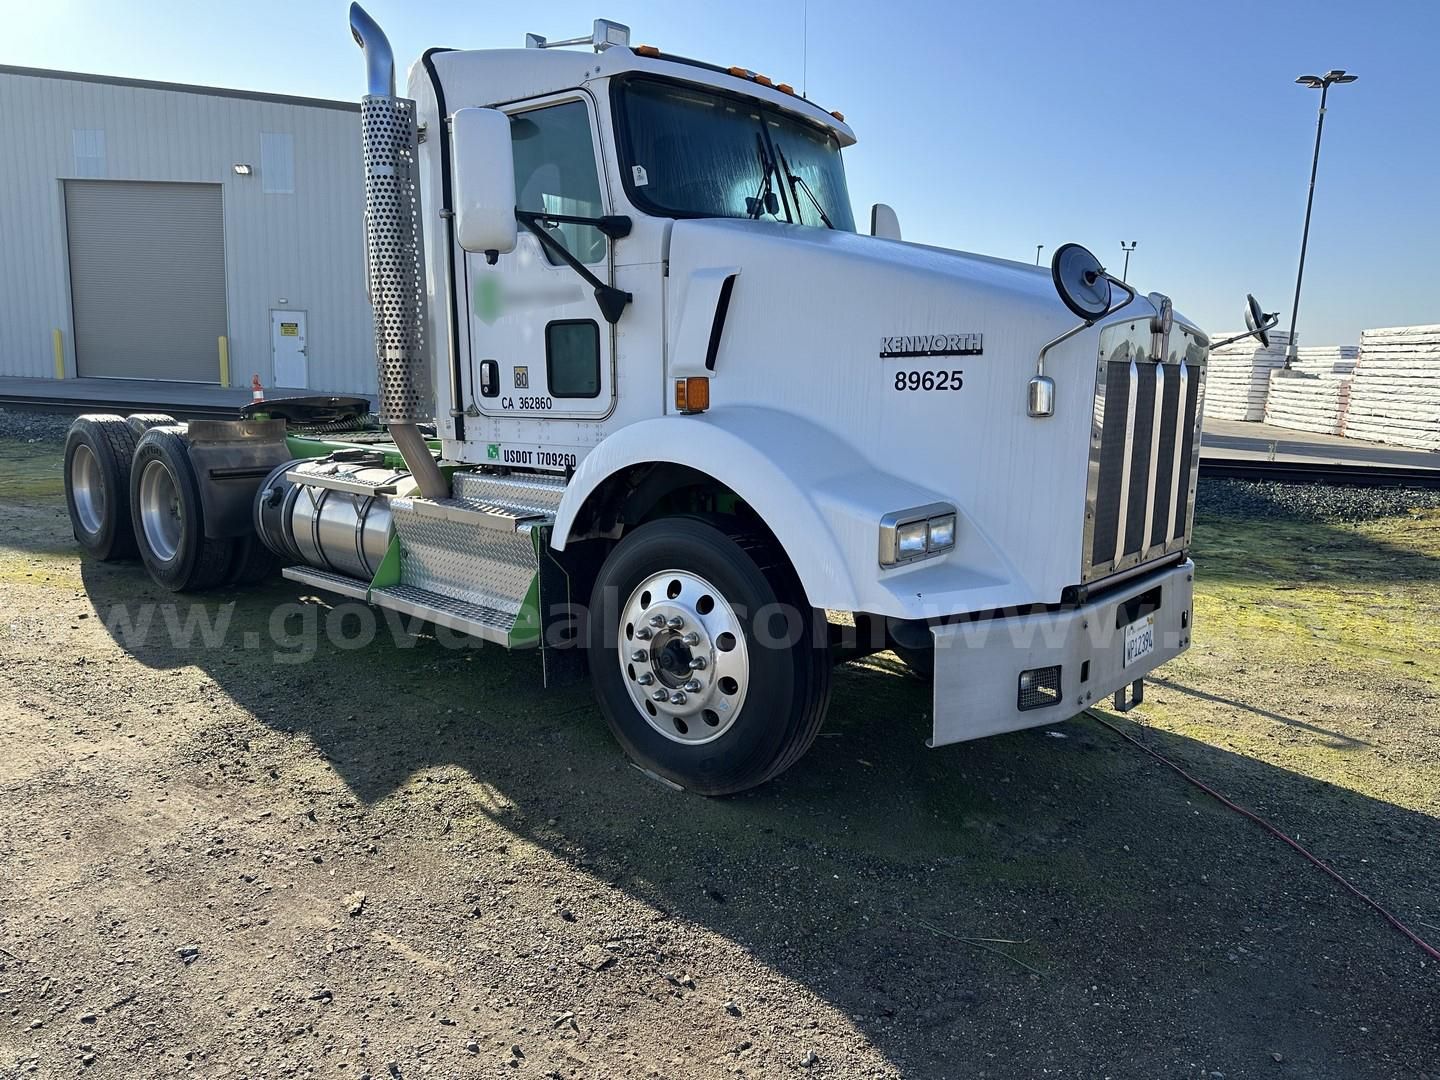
(1145, 905)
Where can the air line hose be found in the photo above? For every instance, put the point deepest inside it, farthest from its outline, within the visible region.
(1424, 945)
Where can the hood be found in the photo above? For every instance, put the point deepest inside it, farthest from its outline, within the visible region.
(917, 358)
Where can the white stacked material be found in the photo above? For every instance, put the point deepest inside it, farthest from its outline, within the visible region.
(1304, 402)
(1325, 359)
(1238, 378)
(1395, 393)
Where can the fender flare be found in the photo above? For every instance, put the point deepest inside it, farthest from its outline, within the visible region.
(808, 485)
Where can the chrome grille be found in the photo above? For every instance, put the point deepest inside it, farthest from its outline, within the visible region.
(1144, 449)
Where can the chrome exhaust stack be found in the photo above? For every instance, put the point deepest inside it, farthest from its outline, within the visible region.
(389, 140)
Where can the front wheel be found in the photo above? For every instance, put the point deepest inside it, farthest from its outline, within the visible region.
(709, 664)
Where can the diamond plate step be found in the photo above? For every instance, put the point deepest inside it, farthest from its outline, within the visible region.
(327, 580)
(476, 620)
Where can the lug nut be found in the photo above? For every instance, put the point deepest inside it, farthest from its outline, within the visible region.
(694, 686)
(677, 698)
(657, 621)
(645, 678)
(660, 695)
(639, 656)
(697, 664)
(644, 633)
(692, 639)
(675, 622)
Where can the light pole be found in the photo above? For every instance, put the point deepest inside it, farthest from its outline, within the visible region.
(1125, 274)
(1037, 253)
(1323, 84)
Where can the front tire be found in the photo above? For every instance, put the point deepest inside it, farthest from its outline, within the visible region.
(709, 664)
(168, 518)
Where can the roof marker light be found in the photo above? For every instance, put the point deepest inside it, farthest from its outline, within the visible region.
(647, 50)
(838, 115)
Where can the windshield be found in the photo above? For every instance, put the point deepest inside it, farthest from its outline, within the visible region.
(699, 153)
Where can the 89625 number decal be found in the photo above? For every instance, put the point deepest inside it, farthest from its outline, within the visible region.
(929, 380)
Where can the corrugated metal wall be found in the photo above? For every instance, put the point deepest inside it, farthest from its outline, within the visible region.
(305, 245)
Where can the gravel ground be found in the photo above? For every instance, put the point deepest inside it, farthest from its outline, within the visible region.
(266, 852)
(1265, 499)
(26, 426)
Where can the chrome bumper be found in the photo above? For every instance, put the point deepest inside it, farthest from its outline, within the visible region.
(978, 665)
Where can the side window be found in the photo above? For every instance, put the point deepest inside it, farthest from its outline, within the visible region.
(572, 358)
(555, 173)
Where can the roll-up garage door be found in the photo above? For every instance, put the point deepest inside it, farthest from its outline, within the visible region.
(147, 279)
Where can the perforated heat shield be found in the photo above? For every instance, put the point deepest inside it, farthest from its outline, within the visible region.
(394, 256)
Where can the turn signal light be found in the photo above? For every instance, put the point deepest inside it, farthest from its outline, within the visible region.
(692, 395)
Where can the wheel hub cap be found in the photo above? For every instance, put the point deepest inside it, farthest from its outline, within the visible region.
(87, 489)
(683, 656)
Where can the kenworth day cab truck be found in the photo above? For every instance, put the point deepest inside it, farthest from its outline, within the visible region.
(653, 406)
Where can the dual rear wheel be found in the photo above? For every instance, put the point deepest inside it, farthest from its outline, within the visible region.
(131, 490)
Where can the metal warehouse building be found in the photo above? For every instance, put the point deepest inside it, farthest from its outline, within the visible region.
(163, 243)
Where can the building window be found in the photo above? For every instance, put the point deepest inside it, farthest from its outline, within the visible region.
(572, 358)
(88, 145)
(277, 163)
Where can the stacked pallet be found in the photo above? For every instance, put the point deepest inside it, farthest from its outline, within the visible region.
(1395, 393)
(1238, 379)
(1304, 402)
(1325, 359)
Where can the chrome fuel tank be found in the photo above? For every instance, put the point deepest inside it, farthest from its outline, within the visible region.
(331, 515)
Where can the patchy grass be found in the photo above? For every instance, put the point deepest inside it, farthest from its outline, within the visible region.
(30, 472)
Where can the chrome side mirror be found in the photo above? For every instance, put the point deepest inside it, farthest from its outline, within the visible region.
(1258, 324)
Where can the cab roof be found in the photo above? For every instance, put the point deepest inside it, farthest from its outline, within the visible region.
(485, 77)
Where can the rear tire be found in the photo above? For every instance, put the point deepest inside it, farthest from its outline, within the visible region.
(98, 450)
(168, 518)
(251, 562)
(757, 653)
(142, 422)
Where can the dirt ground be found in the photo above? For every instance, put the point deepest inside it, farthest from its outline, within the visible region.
(272, 852)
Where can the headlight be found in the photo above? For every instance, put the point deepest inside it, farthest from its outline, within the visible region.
(918, 533)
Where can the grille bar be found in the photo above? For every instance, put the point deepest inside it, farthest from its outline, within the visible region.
(1127, 460)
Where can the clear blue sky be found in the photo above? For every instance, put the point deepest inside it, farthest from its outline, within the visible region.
(990, 127)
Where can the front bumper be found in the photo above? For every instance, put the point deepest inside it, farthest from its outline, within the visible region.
(978, 665)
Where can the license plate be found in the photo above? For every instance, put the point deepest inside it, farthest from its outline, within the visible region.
(1139, 639)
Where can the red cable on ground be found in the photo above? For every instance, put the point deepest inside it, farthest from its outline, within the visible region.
(1425, 946)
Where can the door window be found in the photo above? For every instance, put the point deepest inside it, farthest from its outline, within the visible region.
(572, 358)
(555, 173)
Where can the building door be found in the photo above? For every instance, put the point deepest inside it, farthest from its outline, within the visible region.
(147, 279)
(287, 348)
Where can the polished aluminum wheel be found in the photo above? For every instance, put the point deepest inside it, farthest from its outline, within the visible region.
(160, 514)
(684, 657)
(87, 488)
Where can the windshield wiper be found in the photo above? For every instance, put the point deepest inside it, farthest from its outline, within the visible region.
(799, 181)
(764, 200)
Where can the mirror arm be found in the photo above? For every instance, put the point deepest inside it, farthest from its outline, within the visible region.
(615, 226)
(1271, 321)
(1068, 334)
(612, 301)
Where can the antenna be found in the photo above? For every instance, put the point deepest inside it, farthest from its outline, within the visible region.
(804, 48)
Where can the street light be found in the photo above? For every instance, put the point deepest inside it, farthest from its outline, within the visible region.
(1125, 274)
(1037, 253)
(1323, 84)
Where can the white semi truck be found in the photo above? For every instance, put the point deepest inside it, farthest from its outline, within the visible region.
(653, 406)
